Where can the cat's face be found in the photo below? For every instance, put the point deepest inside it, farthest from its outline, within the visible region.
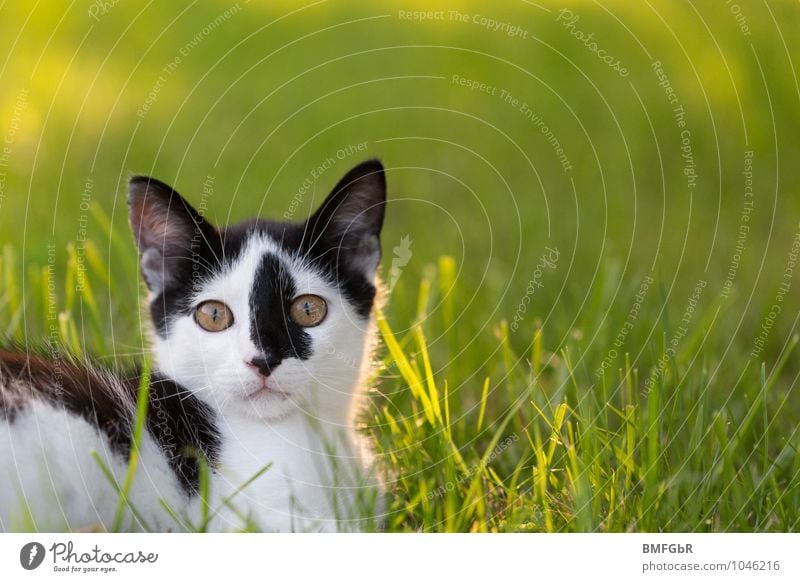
(263, 318)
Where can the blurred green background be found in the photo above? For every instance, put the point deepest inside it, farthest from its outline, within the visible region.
(614, 181)
(253, 97)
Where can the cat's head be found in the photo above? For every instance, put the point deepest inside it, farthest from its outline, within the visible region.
(264, 318)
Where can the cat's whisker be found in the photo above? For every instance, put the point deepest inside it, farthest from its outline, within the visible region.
(195, 392)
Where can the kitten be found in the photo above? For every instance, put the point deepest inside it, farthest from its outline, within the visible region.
(261, 338)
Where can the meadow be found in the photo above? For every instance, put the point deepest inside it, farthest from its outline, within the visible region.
(591, 246)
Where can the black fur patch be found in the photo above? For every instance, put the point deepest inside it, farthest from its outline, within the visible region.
(183, 426)
(299, 240)
(294, 239)
(272, 330)
(324, 241)
(27, 377)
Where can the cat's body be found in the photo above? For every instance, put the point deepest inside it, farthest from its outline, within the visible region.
(261, 339)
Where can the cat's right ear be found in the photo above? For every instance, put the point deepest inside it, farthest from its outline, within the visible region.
(171, 235)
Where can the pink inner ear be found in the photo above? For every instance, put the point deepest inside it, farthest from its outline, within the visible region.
(155, 229)
(159, 227)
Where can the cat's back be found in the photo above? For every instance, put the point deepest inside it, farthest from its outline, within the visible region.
(54, 414)
(30, 382)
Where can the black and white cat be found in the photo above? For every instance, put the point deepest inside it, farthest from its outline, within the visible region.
(261, 339)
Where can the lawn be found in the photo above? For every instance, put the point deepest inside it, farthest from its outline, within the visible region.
(591, 243)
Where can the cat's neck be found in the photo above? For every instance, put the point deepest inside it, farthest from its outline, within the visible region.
(306, 456)
(300, 431)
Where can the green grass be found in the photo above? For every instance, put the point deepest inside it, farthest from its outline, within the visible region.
(514, 393)
(691, 454)
(529, 441)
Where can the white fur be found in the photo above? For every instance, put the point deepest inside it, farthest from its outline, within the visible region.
(319, 478)
(51, 481)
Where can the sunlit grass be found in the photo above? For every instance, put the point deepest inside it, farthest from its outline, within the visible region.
(480, 424)
(580, 457)
(534, 444)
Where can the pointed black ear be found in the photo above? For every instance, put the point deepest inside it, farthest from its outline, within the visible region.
(171, 235)
(348, 224)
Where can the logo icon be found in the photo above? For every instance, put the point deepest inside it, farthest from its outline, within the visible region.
(31, 555)
(402, 256)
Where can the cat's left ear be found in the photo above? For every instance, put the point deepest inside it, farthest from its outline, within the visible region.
(349, 222)
(174, 240)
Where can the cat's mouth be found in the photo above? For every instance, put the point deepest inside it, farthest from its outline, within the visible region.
(266, 390)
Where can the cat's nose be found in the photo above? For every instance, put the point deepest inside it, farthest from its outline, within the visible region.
(265, 364)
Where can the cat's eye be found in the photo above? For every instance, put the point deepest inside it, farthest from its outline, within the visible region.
(308, 310)
(213, 316)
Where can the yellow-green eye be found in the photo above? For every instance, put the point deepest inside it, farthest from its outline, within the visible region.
(213, 316)
(308, 310)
